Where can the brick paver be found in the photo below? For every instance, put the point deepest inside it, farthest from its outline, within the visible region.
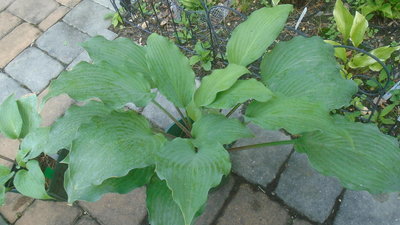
(4, 4)
(33, 11)
(53, 17)
(54, 108)
(8, 22)
(9, 86)
(49, 213)
(16, 41)
(15, 205)
(9, 148)
(255, 208)
(37, 71)
(69, 3)
(86, 220)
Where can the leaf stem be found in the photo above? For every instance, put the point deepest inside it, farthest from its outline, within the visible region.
(183, 117)
(233, 110)
(163, 132)
(6, 158)
(184, 129)
(274, 143)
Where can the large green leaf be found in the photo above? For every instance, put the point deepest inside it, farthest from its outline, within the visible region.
(170, 70)
(10, 118)
(296, 115)
(358, 29)
(35, 143)
(162, 208)
(109, 146)
(339, 52)
(306, 68)
(31, 182)
(191, 171)
(361, 60)
(122, 185)
(358, 154)
(28, 109)
(240, 92)
(217, 81)
(218, 128)
(343, 18)
(5, 175)
(251, 38)
(119, 53)
(115, 86)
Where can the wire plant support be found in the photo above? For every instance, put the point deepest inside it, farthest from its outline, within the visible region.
(169, 18)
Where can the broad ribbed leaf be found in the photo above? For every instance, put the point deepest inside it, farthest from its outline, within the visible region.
(251, 38)
(5, 175)
(191, 171)
(361, 60)
(119, 53)
(109, 146)
(170, 69)
(306, 68)
(122, 185)
(343, 18)
(217, 81)
(115, 86)
(29, 114)
(240, 92)
(358, 29)
(31, 182)
(162, 208)
(10, 118)
(358, 154)
(296, 115)
(339, 52)
(218, 128)
(35, 143)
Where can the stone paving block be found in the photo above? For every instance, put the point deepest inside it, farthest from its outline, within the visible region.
(54, 108)
(9, 86)
(62, 42)
(86, 220)
(34, 69)
(215, 202)
(84, 56)
(361, 208)
(16, 41)
(15, 204)
(88, 17)
(8, 22)
(107, 3)
(260, 165)
(49, 213)
(53, 17)
(2, 221)
(158, 117)
(301, 222)
(8, 148)
(4, 4)
(107, 34)
(304, 189)
(255, 208)
(33, 11)
(129, 209)
(69, 3)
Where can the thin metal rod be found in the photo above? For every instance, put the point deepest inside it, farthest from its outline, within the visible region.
(233, 110)
(274, 143)
(184, 129)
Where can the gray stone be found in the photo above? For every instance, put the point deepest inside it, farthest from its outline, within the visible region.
(62, 42)
(216, 200)
(14, 205)
(9, 86)
(33, 11)
(88, 17)
(84, 56)
(4, 4)
(107, 34)
(304, 189)
(49, 213)
(86, 220)
(158, 117)
(255, 208)
(361, 208)
(2, 221)
(34, 69)
(107, 3)
(301, 222)
(260, 165)
(128, 209)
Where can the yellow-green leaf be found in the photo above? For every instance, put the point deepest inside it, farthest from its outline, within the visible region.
(343, 18)
(358, 29)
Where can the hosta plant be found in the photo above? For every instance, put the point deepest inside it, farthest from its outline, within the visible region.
(115, 149)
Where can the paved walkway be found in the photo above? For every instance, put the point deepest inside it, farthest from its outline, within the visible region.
(274, 186)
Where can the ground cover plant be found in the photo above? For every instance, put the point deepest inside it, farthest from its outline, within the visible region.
(112, 148)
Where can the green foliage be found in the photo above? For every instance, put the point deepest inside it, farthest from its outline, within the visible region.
(386, 8)
(115, 149)
(203, 55)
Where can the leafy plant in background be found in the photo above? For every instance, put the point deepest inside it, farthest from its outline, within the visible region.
(114, 149)
(386, 8)
(354, 28)
(116, 19)
(203, 55)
